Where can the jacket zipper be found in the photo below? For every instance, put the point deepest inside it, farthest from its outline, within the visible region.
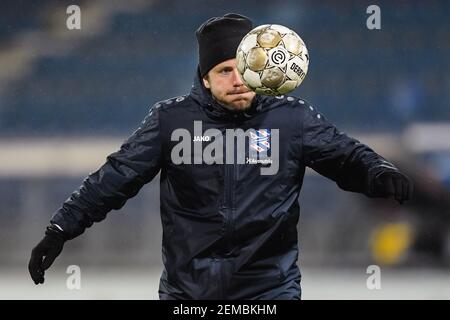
(230, 178)
(229, 207)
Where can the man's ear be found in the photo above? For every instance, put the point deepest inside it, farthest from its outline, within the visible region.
(206, 82)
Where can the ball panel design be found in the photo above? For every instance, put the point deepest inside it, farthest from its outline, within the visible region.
(272, 78)
(286, 87)
(248, 43)
(269, 38)
(305, 57)
(292, 43)
(257, 59)
(252, 78)
(240, 61)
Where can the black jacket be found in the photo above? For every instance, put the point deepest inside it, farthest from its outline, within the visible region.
(229, 231)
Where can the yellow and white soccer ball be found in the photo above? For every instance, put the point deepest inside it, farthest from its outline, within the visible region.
(272, 60)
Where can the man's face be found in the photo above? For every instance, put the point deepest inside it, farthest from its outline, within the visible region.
(227, 87)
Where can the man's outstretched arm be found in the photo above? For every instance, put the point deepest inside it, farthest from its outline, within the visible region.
(352, 165)
(121, 177)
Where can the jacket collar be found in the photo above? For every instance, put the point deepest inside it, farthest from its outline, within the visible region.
(217, 111)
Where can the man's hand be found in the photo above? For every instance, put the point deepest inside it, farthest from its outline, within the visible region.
(394, 183)
(46, 251)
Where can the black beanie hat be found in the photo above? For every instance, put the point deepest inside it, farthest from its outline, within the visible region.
(218, 39)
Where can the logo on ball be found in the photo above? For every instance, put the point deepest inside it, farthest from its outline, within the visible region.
(278, 57)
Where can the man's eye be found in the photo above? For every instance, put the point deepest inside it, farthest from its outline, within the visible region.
(225, 71)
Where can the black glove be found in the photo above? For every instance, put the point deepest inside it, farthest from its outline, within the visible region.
(46, 251)
(393, 183)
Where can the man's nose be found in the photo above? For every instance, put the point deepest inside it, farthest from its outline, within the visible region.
(237, 81)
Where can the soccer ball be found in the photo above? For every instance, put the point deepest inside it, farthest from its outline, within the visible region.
(272, 60)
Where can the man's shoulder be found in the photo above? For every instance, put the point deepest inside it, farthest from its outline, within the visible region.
(172, 104)
(285, 102)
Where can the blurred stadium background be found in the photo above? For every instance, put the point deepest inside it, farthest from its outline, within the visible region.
(70, 97)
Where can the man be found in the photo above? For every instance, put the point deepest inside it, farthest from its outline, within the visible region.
(229, 210)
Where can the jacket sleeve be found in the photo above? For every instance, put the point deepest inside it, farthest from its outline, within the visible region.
(121, 177)
(352, 165)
